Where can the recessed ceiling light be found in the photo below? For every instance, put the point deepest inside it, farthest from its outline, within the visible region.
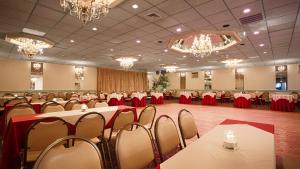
(198, 60)
(184, 56)
(256, 32)
(72, 41)
(111, 49)
(265, 52)
(217, 51)
(94, 29)
(247, 10)
(34, 32)
(261, 45)
(244, 33)
(174, 63)
(159, 59)
(139, 55)
(166, 50)
(253, 57)
(178, 30)
(138, 41)
(135, 6)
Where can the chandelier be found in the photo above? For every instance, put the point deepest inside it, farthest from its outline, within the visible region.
(171, 69)
(202, 46)
(232, 62)
(126, 62)
(204, 43)
(29, 45)
(86, 10)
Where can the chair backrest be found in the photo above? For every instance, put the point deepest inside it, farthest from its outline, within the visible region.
(61, 95)
(70, 103)
(50, 97)
(101, 104)
(43, 132)
(84, 155)
(51, 106)
(17, 110)
(166, 135)
(76, 106)
(17, 100)
(134, 148)
(35, 97)
(122, 119)
(90, 125)
(187, 125)
(147, 116)
(91, 103)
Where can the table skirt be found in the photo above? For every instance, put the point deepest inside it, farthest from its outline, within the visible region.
(136, 102)
(282, 105)
(184, 100)
(116, 102)
(155, 100)
(242, 102)
(208, 100)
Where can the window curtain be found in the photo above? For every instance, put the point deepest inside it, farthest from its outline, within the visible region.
(111, 80)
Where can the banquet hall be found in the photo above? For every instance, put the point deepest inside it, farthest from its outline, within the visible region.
(149, 84)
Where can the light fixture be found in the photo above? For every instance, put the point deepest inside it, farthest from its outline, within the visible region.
(79, 72)
(184, 56)
(198, 60)
(281, 68)
(182, 74)
(256, 32)
(232, 62)
(94, 29)
(247, 10)
(171, 69)
(178, 30)
(72, 41)
(87, 10)
(111, 49)
(126, 62)
(166, 50)
(261, 45)
(135, 6)
(29, 45)
(265, 52)
(138, 41)
(37, 66)
(203, 43)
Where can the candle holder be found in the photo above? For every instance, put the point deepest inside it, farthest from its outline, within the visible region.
(230, 141)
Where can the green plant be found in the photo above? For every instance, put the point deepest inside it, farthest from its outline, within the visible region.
(161, 83)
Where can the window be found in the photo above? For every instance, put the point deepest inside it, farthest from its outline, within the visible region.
(281, 77)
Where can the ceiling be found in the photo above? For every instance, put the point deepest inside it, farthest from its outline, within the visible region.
(118, 32)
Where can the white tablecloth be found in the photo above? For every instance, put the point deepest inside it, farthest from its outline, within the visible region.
(138, 95)
(186, 94)
(88, 97)
(73, 115)
(256, 150)
(114, 95)
(157, 95)
(209, 94)
(247, 96)
(288, 97)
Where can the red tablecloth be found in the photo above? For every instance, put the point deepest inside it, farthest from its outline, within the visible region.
(136, 102)
(242, 102)
(282, 105)
(184, 100)
(16, 132)
(208, 100)
(116, 102)
(263, 126)
(155, 100)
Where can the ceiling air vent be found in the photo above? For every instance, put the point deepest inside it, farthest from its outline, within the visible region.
(251, 19)
(153, 15)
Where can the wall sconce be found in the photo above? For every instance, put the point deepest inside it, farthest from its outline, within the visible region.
(281, 68)
(79, 72)
(182, 74)
(36, 68)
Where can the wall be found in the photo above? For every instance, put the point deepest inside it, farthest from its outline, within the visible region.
(55, 76)
(223, 79)
(259, 78)
(293, 77)
(195, 83)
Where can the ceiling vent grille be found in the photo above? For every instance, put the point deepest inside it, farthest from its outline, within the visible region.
(251, 19)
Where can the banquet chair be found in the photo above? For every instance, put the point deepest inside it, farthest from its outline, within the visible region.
(70, 103)
(135, 148)
(40, 135)
(61, 95)
(264, 98)
(227, 96)
(101, 104)
(90, 126)
(51, 106)
(36, 98)
(76, 106)
(121, 119)
(91, 103)
(166, 136)
(187, 126)
(147, 116)
(50, 97)
(17, 110)
(17, 100)
(68, 96)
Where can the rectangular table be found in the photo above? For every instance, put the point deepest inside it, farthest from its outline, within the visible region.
(17, 128)
(256, 150)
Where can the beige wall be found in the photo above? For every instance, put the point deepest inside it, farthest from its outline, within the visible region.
(55, 77)
(195, 83)
(14, 75)
(223, 79)
(259, 78)
(174, 79)
(293, 77)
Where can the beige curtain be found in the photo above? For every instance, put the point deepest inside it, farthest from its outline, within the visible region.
(109, 80)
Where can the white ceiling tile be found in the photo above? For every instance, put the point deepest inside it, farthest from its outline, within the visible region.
(211, 7)
(173, 6)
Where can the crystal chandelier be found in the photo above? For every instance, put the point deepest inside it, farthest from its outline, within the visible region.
(126, 62)
(202, 46)
(86, 10)
(171, 69)
(232, 62)
(29, 45)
